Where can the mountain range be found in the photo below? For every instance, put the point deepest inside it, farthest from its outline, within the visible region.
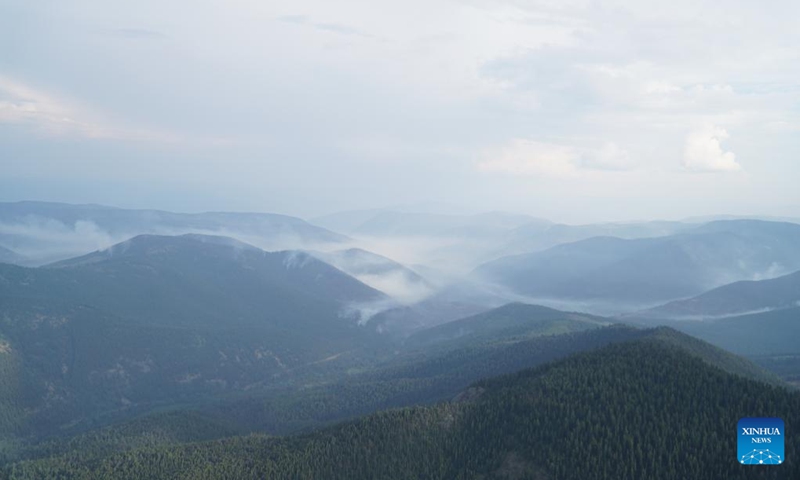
(652, 270)
(159, 319)
(615, 412)
(734, 299)
(197, 355)
(43, 232)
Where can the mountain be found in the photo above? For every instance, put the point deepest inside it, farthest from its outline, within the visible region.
(379, 272)
(768, 333)
(9, 256)
(393, 223)
(619, 412)
(507, 321)
(163, 320)
(534, 237)
(447, 303)
(347, 221)
(449, 243)
(651, 270)
(192, 280)
(412, 376)
(735, 299)
(46, 232)
(769, 218)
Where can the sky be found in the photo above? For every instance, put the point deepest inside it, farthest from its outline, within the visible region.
(576, 111)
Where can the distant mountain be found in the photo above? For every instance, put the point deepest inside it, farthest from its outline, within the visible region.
(651, 270)
(9, 256)
(735, 299)
(614, 413)
(161, 320)
(390, 223)
(535, 237)
(192, 280)
(406, 224)
(346, 222)
(379, 272)
(773, 333)
(768, 218)
(510, 320)
(46, 232)
(448, 303)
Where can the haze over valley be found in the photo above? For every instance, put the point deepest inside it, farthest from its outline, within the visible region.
(399, 240)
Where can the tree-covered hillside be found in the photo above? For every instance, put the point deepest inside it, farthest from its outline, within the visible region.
(641, 409)
(166, 321)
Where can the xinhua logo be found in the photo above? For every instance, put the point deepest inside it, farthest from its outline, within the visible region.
(760, 441)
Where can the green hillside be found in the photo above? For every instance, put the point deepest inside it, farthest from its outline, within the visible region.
(641, 409)
(165, 322)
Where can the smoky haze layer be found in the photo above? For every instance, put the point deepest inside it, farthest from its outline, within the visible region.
(46, 232)
(734, 299)
(652, 270)
(438, 267)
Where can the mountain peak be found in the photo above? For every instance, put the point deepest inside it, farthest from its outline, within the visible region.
(148, 246)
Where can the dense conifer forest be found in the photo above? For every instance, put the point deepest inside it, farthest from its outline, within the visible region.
(631, 410)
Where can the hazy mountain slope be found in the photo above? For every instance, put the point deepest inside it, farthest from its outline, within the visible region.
(650, 270)
(435, 374)
(345, 222)
(506, 321)
(379, 272)
(46, 232)
(735, 298)
(9, 256)
(84, 367)
(614, 413)
(165, 320)
(414, 377)
(536, 237)
(401, 224)
(449, 243)
(193, 280)
(769, 333)
(450, 302)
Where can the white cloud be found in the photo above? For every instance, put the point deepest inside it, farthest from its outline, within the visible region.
(703, 151)
(389, 105)
(528, 157)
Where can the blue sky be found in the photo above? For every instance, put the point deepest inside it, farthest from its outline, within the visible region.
(572, 110)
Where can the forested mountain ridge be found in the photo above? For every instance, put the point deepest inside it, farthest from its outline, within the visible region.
(632, 410)
(164, 321)
(45, 232)
(188, 278)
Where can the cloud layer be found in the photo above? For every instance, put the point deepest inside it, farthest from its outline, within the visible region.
(310, 107)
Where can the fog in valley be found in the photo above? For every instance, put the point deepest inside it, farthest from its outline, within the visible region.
(400, 240)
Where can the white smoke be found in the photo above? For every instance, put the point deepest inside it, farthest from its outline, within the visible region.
(43, 240)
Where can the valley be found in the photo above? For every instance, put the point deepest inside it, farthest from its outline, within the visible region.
(144, 348)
